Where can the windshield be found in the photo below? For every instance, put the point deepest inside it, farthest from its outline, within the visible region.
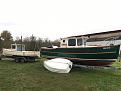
(79, 42)
(72, 42)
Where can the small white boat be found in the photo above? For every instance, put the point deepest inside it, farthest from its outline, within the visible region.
(58, 65)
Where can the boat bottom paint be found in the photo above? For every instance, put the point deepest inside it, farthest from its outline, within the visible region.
(91, 62)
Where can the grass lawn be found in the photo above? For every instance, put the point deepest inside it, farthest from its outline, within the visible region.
(34, 77)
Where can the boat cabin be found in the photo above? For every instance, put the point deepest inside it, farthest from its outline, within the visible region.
(73, 42)
(18, 47)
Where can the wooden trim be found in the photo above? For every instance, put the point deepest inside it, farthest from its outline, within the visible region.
(82, 58)
(82, 47)
(80, 53)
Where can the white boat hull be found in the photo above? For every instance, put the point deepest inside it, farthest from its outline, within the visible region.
(58, 65)
(12, 52)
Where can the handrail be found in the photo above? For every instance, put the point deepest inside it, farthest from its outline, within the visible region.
(111, 40)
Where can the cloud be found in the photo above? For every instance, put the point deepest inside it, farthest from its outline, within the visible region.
(59, 18)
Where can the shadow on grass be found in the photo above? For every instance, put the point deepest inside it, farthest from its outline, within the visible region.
(106, 72)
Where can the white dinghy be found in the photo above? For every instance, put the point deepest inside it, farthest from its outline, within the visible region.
(58, 65)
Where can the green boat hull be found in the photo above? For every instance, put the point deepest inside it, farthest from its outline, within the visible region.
(98, 56)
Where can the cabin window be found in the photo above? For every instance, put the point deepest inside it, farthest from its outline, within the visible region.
(63, 41)
(13, 47)
(72, 42)
(79, 42)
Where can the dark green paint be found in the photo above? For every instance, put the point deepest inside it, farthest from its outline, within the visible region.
(106, 52)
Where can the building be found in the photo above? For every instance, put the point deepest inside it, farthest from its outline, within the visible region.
(102, 38)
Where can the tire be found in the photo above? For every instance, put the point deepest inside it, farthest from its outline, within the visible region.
(16, 60)
(23, 60)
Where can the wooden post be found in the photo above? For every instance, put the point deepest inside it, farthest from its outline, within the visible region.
(21, 43)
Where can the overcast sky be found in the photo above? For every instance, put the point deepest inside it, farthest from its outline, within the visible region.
(55, 19)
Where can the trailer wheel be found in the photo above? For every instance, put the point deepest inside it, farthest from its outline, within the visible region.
(20, 59)
(23, 60)
(30, 59)
(16, 60)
